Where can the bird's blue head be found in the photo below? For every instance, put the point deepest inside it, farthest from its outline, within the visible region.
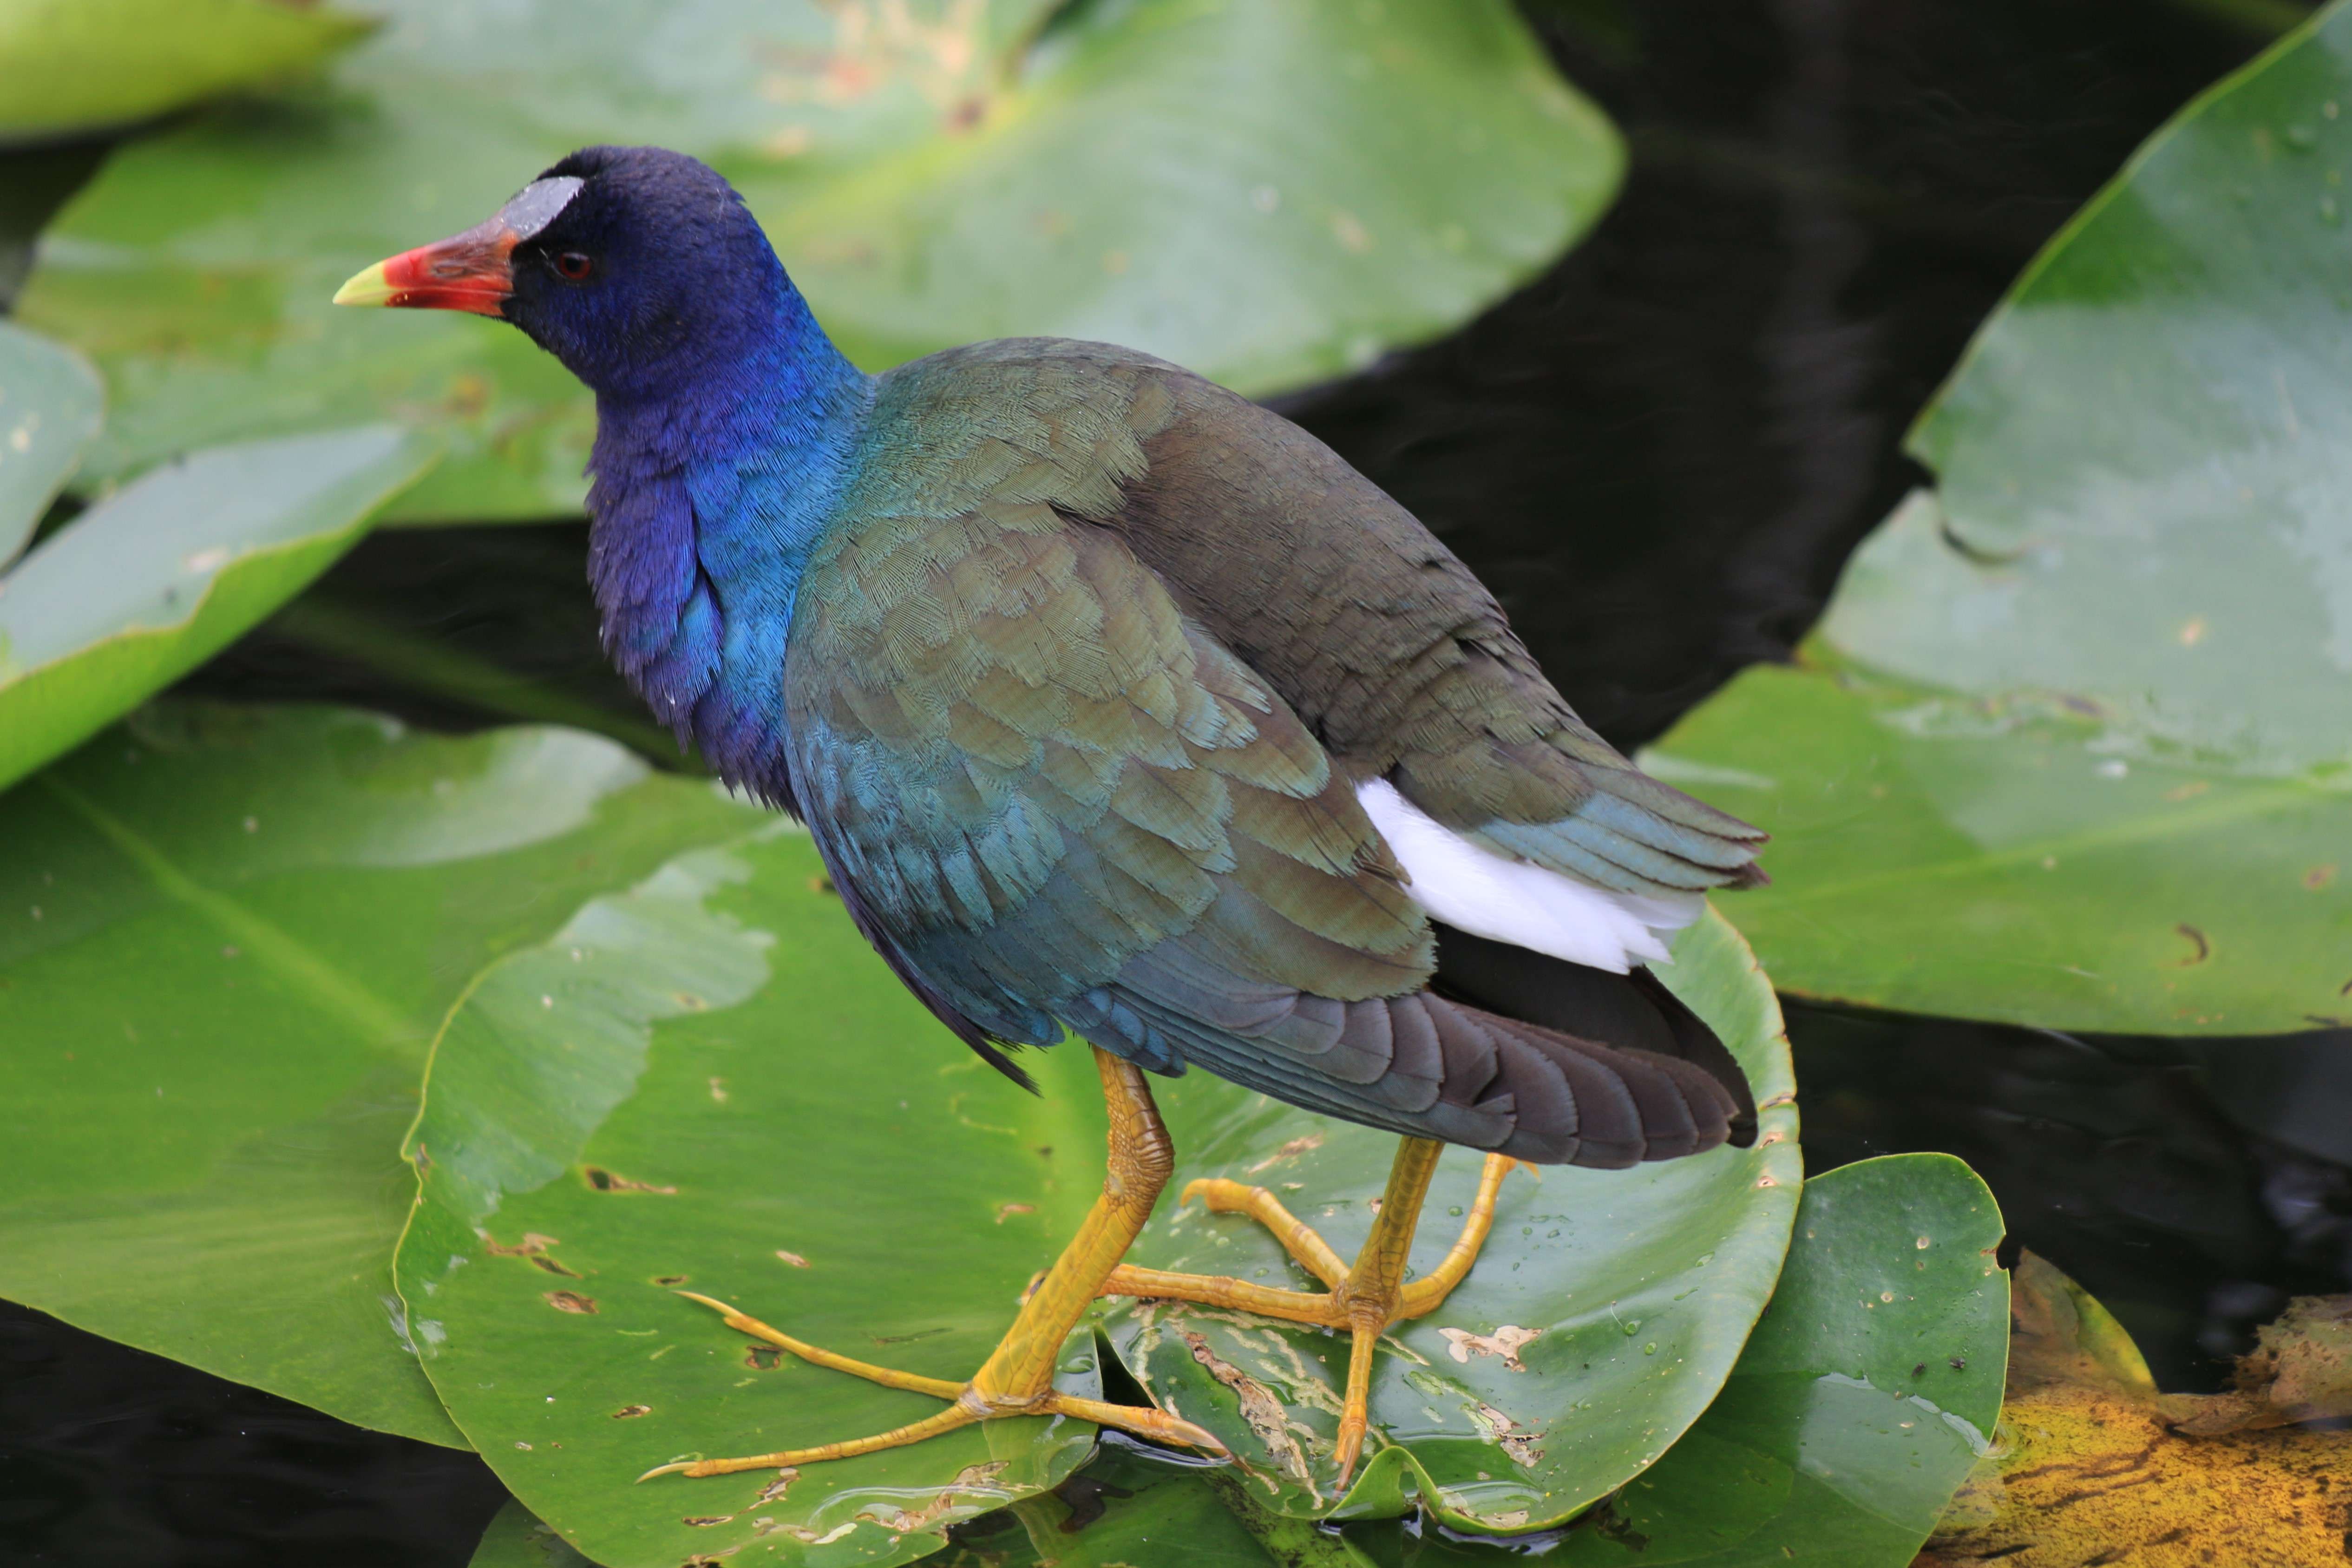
(639, 268)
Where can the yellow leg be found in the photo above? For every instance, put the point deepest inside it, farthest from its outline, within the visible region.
(1017, 1379)
(1364, 1299)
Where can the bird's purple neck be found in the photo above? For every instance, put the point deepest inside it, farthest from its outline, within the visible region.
(711, 483)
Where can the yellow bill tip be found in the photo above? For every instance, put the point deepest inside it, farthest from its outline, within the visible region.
(368, 287)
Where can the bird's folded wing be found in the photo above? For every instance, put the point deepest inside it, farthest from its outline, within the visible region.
(1026, 767)
(1377, 636)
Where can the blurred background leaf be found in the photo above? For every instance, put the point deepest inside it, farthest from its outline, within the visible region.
(158, 578)
(226, 936)
(2069, 747)
(76, 66)
(1270, 194)
(50, 403)
(1604, 1315)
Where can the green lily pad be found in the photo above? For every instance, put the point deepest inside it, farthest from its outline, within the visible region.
(1607, 1309)
(153, 581)
(227, 937)
(49, 404)
(2072, 748)
(1987, 857)
(69, 66)
(711, 1083)
(1270, 195)
(1867, 1393)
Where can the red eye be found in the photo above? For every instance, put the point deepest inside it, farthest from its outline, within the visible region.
(575, 266)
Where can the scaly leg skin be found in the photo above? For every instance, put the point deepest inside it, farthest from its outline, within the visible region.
(1018, 1378)
(1364, 1299)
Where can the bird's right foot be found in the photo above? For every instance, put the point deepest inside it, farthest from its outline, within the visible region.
(1364, 1299)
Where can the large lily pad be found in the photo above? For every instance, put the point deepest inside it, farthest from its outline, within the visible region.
(50, 403)
(227, 937)
(150, 583)
(2072, 749)
(76, 66)
(712, 1083)
(1603, 1316)
(1270, 193)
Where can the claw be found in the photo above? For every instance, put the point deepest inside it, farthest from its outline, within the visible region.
(1364, 1299)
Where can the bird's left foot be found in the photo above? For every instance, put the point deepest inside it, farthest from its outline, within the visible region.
(967, 1403)
(1018, 1378)
(1365, 1298)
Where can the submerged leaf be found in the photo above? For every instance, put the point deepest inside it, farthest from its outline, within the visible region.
(1268, 194)
(2300, 1371)
(69, 66)
(516, 1540)
(153, 581)
(50, 403)
(2093, 1466)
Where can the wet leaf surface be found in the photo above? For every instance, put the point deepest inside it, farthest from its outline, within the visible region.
(2072, 751)
(1988, 857)
(76, 66)
(1603, 1316)
(227, 937)
(2094, 1465)
(49, 404)
(711, 1083)
(153, 580)
(1864, 1397)
(1270, 195)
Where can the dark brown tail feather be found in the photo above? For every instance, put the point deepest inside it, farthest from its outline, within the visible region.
(1630, 1012)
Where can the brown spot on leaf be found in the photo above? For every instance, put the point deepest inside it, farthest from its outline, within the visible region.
(1259, 1408)
(1503, 1432)
(794, 1258)
(1505, 1342)
(532, 1247)
(628, 1412)
(2196, 938)
(606, 1180)
(1006, 1211)
(1290, 1151)
(531, 1244)
(762, 1358)
(667, 1279)
(702, 1521)
(570, 1301)
(774, 1490)
(2319, 876)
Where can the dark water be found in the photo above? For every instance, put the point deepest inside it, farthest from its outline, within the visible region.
(1659, 455)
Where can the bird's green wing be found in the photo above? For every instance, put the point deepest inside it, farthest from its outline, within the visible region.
(1026, 767)
(1378, 636)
